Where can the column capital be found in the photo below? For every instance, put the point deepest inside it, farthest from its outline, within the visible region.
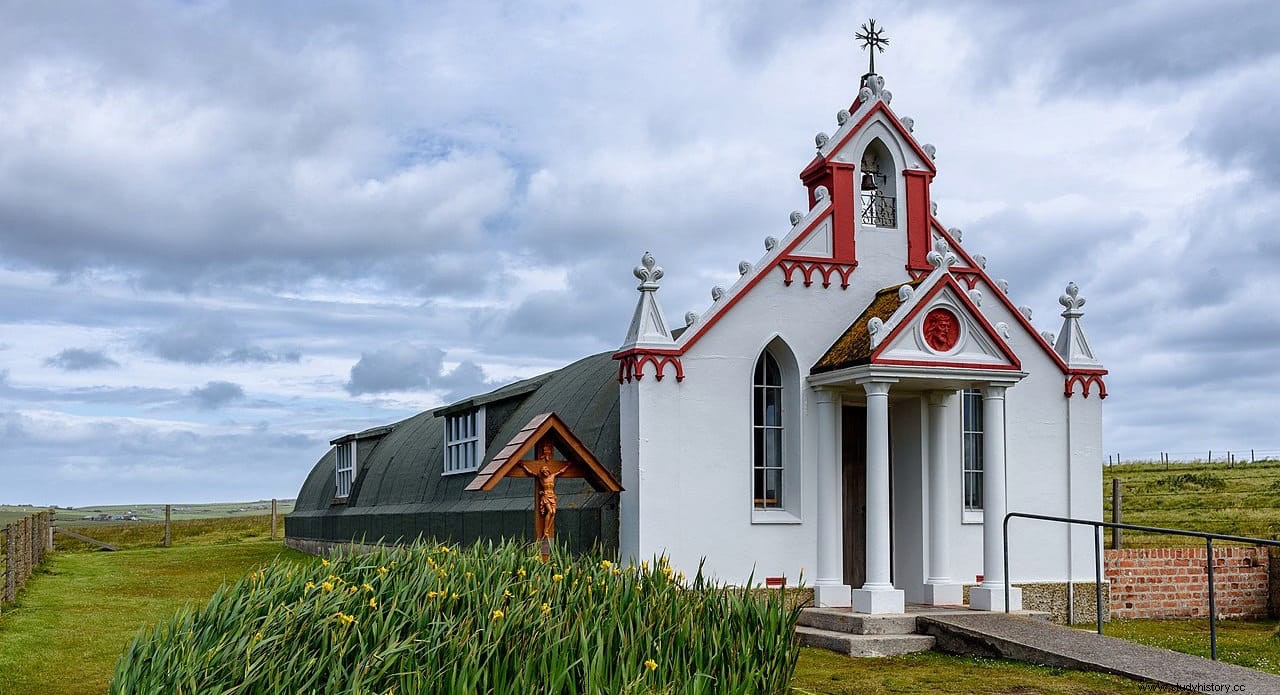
(994, 391)
(876, 386)
(939, 399)
(825, 395)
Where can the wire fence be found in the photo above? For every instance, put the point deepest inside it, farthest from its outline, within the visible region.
(23, 545)
(1225, 457)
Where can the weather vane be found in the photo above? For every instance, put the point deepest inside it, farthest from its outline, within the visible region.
(873, 39)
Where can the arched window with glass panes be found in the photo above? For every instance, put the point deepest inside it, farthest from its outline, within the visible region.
(768, 463)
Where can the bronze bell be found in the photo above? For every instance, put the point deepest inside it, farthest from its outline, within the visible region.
(869, 181)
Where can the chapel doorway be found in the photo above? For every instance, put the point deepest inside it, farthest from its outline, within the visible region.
(853, 463)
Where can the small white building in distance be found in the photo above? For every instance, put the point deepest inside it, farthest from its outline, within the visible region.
(860, 410)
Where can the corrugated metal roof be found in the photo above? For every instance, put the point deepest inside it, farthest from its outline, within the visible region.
(403, 472)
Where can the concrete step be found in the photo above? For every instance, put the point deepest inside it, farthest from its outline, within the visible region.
(845, 620)
(863, 645)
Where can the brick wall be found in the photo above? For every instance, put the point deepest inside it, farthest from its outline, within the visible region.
(1173, 582)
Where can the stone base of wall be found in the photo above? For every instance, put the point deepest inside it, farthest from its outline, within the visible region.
(1173, 582)
(1051, 597)
(326, 548)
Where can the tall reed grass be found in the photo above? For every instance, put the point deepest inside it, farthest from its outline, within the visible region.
(486, 619)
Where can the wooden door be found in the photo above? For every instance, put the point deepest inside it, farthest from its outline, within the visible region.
(854, 467)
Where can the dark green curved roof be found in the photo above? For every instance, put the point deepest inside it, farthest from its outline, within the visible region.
(400, 491)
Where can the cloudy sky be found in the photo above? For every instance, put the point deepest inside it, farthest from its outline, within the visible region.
(232, 231)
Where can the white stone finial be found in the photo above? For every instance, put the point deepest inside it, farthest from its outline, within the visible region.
(981, 260)
(1048, 337)
(648, 273)
(1072, 344)
(909, 123)
(821, 193)
(796, 216)
(744, 267)
(648, 328)
(957, 234)
(820, 140)
(933, 209)
(1003, 285)
(716, 293)
(941, 255)
(1003, 329)
(771, 243)
(975, 296)
(843, 116)
(876, 328)
(1025, 311)
(873, 87)
(905, 293)
(930, 150)
(690, 318)
(1072, 301)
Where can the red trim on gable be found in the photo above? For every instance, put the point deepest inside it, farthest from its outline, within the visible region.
(949, 281)
(762, 271)
(906, 136)
(919, 239)
(1086, 378)
(631, 363)
(937, 363)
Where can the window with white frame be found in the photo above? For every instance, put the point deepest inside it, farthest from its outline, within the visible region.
(463, 441)
(768, 454)
(344, 468)
(971, 415)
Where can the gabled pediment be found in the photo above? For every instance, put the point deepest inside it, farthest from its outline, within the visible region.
(942, 327)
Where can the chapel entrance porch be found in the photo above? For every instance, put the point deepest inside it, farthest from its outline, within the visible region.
(889, 488)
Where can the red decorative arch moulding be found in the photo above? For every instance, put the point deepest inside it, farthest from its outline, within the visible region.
(1086, 381)
(824, 268)
(631, 364)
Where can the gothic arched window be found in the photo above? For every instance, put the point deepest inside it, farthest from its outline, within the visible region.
(768, 463)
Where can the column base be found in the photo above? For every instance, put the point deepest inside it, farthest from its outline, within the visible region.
(944, 594)
(992, 598)
(879, 601)
(831, 595)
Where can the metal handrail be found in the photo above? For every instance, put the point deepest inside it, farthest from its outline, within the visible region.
(1097, 559)
(879, 210)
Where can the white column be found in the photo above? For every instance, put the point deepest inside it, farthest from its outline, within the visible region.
(878, 594)
(939, 589)
(829, 590)
(990, 595)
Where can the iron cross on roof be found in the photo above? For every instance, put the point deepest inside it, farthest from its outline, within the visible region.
(873, 40)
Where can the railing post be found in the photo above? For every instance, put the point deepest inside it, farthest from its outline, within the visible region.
(1005, 538)
(1097, 573)
(168, 528)
(1213, 607)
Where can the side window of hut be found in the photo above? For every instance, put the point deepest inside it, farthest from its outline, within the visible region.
(768, 463)
(971, 415)
(463, 441)
(878, 184)
(344, 468)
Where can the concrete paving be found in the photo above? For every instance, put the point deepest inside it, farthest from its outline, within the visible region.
(976, 633)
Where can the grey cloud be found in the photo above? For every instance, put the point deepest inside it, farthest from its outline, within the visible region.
(81, 359)
(217, 394)
(1240, 129)
(399, 367)
(208, 340)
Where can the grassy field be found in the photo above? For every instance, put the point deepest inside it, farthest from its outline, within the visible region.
(1242, 501)
(150, 534)
(82, 608)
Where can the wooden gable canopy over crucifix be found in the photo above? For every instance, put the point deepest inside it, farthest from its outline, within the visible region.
(540, 439)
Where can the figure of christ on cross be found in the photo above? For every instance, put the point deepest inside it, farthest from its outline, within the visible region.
(545, 485)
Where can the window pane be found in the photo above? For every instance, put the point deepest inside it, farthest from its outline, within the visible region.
(758, 488)
(772, 375)
(773, 407)
(758, 456)
(773, 487)
(773, 448)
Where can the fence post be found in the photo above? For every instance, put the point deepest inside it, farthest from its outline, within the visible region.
(273, 518)
(10, 563)
(168, 531)
(1117, 535)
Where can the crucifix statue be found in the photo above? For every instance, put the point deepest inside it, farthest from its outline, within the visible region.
(544, 486)
(540, 440)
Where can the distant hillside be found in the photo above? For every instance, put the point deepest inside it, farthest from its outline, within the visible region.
(126, 513)
(1243, 500)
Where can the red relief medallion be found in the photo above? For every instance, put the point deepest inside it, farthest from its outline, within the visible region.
(941, 329)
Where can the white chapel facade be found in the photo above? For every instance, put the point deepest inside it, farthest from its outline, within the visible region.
(864, 405)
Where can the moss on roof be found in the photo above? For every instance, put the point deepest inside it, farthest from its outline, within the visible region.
(853, 347)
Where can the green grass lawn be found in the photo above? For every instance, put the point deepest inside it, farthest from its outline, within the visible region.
(150, 534)
(1251, 644)
(81, 609)
(1241, 501)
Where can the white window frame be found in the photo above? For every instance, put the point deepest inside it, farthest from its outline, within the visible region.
(971, 456)
(787, 509)
(464, 442)
(344, 469)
